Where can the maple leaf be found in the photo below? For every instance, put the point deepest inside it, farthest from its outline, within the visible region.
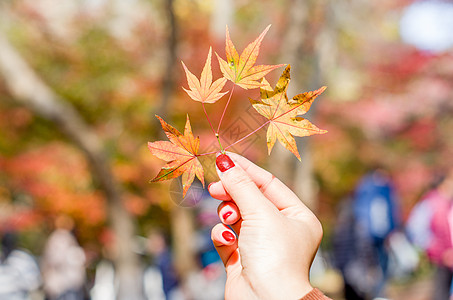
(240, 69)
(180, 153)
(204, 90)
(284, 115)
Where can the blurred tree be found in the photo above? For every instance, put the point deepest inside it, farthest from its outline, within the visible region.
(181, 218)
(29, 90)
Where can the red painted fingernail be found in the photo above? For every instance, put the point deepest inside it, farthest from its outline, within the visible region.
(228, 236)
(224, 162)
(226, 215)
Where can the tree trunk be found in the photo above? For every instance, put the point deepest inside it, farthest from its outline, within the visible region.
(181, 218)
(29, 90)
(183, 231)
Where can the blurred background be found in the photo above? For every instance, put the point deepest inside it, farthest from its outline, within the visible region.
(81, 81)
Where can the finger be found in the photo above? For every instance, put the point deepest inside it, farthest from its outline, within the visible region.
(218, 192)
(229, 215)
(225, 242)
(228, 212)
(275, 190)
(238, 184)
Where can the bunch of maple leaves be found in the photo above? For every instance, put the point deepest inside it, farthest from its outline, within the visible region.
(283, 115)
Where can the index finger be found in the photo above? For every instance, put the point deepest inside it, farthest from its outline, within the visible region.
(241, 188)
(272, 188)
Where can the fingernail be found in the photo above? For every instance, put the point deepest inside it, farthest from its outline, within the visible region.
(228, 236)
(226, 215)
(224, 162)
(210, 185)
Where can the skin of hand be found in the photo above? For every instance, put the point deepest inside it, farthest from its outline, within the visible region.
(275, 235)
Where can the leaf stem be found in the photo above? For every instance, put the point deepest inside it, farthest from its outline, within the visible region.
(208, 153)
(243, 138)
(207, 117)
(220, 144)
(224, 110)
(212, 128)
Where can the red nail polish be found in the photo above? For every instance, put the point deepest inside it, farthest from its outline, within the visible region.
(226, 215)
(228, 236)
(224, 162)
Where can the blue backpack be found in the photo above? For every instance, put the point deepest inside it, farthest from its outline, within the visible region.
(375, 206)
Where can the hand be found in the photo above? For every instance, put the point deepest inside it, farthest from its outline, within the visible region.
(276, 239)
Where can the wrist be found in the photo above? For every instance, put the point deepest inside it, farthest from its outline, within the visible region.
(289, 289)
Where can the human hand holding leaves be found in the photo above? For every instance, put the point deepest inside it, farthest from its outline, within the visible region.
(283, 114)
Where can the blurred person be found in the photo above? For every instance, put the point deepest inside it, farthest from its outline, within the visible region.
(273, 238)
(440, 248)
(153, 284)
(345, 251)
(377, 215)
(158, 247)
(106, 278)
(63, 263)
(19, 271)
(418, 225)
(105, 286)
(206, 217)
(208, 282)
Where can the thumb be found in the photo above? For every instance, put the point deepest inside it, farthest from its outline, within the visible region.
(241, 187)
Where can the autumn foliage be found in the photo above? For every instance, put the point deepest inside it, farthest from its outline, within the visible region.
(283, 115)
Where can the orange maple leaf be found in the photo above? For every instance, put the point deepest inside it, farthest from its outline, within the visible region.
(240, 69)
(204, 90)
(180, 153)
(284, 115)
